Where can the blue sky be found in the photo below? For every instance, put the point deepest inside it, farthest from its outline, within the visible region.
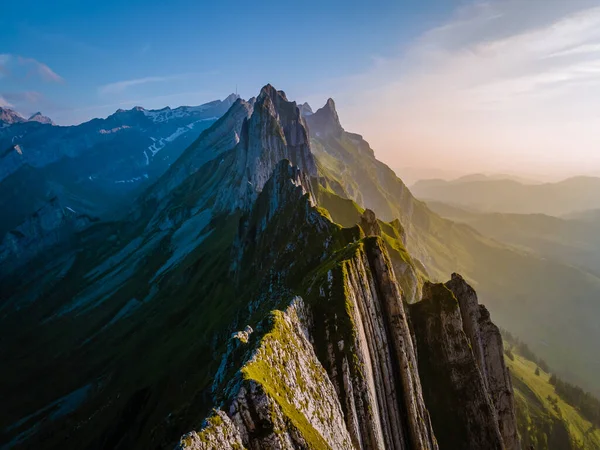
(75, 60)
(462, 86)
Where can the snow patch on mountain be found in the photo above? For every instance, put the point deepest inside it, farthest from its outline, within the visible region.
(160, 143)
(166, 114)
(113, 130)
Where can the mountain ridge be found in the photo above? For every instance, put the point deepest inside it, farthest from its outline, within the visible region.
(230, 265)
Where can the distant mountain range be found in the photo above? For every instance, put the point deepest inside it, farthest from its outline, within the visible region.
(10, 117)
(508, 196)
(411, 175)
(574, 240)
(86, 172)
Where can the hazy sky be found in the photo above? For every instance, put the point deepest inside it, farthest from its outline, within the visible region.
(498, 86)
(462, 86)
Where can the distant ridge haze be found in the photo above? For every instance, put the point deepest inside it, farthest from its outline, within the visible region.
(509, 196)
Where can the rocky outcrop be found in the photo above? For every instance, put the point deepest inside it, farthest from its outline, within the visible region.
(305, 109)
(325, 122)
(369, 224)
(461, 409)
(281, 398)
(368, 351)
(275, 131)
(488, 349)
(39, 117)
(404, 268)
(8, 117)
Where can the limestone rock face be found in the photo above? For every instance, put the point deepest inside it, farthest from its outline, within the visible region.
(461, 408)
(39, 117)
(305, 109)
(275, 131)
(282, 399)
(368, 222)
(370, 357)
(8, 117)
(404, 269)
(488, 350)
(325, 122)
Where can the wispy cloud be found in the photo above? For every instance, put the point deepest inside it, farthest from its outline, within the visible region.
(121, 86)
(31, 98)
(21, 67)
(503, 82)
(37, 68)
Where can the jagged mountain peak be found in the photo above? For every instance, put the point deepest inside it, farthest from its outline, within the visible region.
(275, 131)
(305, 109)
(10, 116)
(39, 117)
(269, 90)
(231, 98)
(325, 121)
(330, 104)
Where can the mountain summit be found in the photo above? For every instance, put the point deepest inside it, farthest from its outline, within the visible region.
(39, 117)
(8, 116)
(325, 121)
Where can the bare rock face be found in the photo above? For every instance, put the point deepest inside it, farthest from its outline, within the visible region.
(325, 122)
(368, 222)
(282, 398)
(8, 117)
(275, 131)
(39, 117)
(488, 350)
(461, 408)
(221, 137)
(370, 357)
(406, 273)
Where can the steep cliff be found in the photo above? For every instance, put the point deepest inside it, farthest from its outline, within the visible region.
(461, 410)
(368, 350)
(358, 332)
(281, 397)
(275, 131)
(488, 349)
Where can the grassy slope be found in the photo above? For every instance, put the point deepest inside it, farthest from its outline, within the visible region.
(539, 421)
